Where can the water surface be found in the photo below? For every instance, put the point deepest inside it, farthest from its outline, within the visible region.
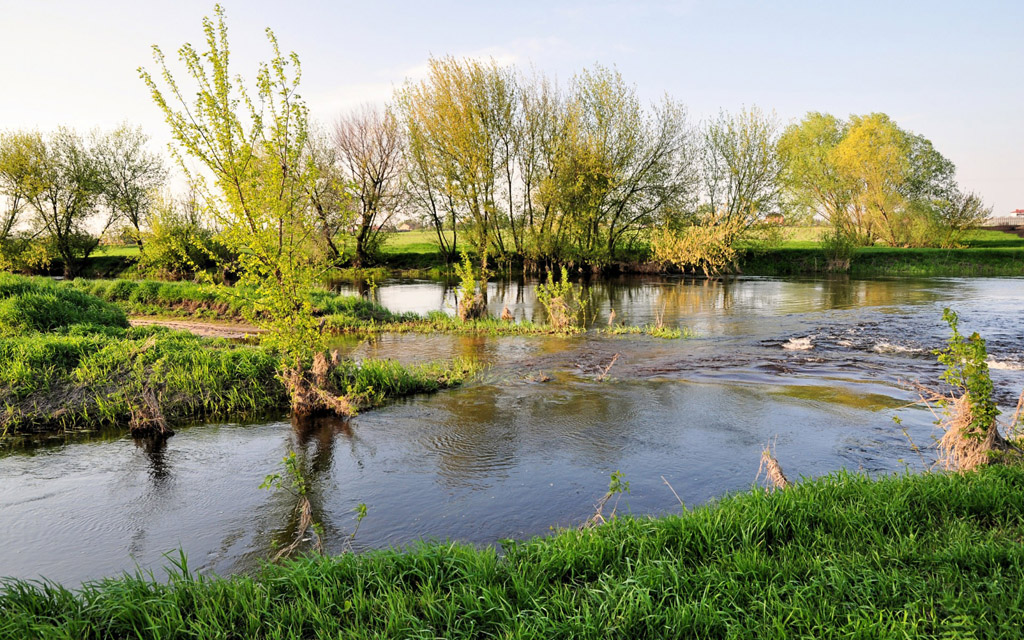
(812, 366)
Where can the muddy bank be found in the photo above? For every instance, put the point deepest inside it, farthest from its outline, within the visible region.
(228, 330)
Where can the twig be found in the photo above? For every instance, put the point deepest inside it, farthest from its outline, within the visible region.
(604, 374)
(673, 492)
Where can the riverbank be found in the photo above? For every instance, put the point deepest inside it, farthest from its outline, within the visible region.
(925, 556)
(981, 252)
(69, 360)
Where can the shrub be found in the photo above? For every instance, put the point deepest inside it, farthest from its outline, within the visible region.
(560, 300)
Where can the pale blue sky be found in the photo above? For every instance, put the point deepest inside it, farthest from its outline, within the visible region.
(951, 71)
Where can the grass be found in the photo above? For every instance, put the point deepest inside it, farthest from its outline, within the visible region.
(982, 253)
(190, 299)
(69, 361)
(838, 557)
(653, 330)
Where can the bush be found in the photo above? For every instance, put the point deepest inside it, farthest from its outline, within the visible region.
(839, 249)
(560, 301)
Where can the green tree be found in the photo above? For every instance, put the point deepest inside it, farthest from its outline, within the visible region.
(900, 180)
(254, 145)
(457, 121)
(130, 175)
(65, 187)
(810, 175)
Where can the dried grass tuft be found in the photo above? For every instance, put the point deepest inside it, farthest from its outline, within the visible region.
(147, 418)
(310, 393)
(772, 471)
(963, 447)
(472, 308)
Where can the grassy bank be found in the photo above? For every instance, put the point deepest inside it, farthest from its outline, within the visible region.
(68, 360)
(839, 557)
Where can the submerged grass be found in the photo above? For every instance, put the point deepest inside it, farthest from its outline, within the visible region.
(839, 557)
(653, 330)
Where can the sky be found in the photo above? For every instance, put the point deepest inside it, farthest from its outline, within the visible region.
(951, 71)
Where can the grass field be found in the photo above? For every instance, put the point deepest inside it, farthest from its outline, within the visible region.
(930, 556)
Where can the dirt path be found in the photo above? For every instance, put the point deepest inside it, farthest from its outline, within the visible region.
(231, 330)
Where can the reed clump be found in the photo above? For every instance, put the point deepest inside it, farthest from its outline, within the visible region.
(969, 414)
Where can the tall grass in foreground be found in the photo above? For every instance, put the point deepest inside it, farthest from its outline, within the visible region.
(838, 557)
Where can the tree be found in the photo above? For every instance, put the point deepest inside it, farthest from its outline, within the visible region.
(65, 189)
(741, 168)
(810, 174)
(18, 149)
(254, 144)
(458, 120)
(609, 169)
(371, 152)
(900, 180)
(130, 175)
(957, 213)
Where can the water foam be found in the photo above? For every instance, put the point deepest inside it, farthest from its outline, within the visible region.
(798, 344)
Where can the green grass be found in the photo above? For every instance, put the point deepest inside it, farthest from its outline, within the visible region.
(67, 361)
(930, 556)
(653, 330)
(39, 305)
(982, 253)
(190, 299)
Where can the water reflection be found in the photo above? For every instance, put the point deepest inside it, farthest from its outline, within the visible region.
(644, 299)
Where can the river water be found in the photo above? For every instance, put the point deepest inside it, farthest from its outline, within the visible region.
(812, 366)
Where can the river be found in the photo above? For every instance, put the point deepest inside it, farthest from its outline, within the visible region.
(814, 367)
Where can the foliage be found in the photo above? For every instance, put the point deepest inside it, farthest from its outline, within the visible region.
(540, 174)
(740, 167)
(472, 301)
(65, 185)
(255, 146)
(131, 175)
(839, 249)
(812, 180)
(708, 246)
(560, 300)
(966, 362)
(177, 245)
(873, 181)
(844, 556)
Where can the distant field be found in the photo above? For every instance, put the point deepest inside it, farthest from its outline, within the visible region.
(120, 251)
(424, 241)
